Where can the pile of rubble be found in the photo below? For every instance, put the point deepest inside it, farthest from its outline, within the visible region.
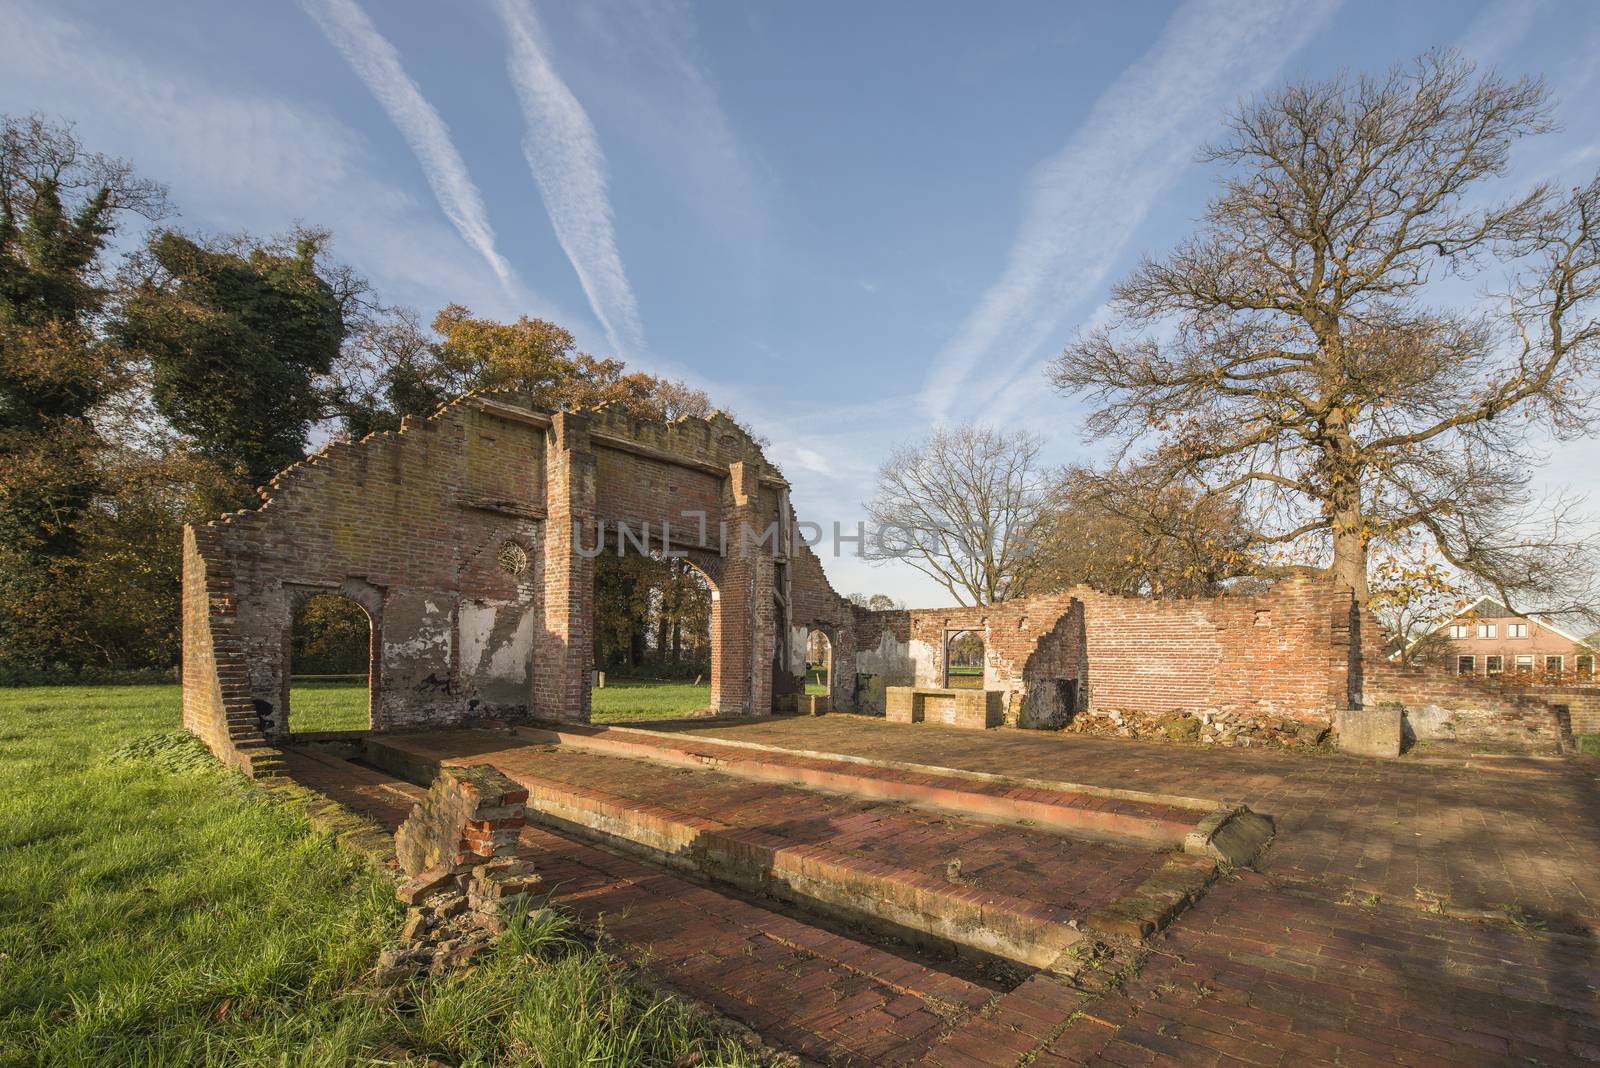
(1203, 728)
(466, 873)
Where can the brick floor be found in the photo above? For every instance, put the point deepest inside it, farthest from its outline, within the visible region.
(1355, 943)
(1474, 833)
(1261, 974)
(1072, 877)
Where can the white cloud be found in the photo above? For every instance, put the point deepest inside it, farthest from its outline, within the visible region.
(1496, 28)
(651, 73)
(570, 168)
(377, 63)
(240, 160)
(1086, 202)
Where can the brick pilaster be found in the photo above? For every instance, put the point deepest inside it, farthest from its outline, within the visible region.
(564, 644)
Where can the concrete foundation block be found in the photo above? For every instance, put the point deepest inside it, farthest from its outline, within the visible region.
(1371, 732)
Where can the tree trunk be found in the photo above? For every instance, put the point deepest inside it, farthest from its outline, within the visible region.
(1350, 560)
(1343, 471)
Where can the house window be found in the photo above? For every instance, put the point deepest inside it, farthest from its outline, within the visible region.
(1486, 630)
(1584, 665)
(1493, 665)
(1516, 630)
(1458, 630)
(1463, 665)
(1525, 664)
(1553, 664)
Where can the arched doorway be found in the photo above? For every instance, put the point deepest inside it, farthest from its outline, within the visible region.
(819, 662)
(963, 660)
(331, 655)
(654, 632)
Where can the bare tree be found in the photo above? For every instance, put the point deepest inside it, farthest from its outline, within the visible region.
(1285, 352)
(960, 507)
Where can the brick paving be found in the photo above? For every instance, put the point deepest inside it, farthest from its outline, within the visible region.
(1471, 833)
(1356, 942)
(1071, 877)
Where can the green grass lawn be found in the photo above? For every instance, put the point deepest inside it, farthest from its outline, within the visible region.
(157, 909)
(342, 706)
(317, 705)
(631, 700)
(1589, 743)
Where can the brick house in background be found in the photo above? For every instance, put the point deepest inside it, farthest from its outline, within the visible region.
(1489, 639)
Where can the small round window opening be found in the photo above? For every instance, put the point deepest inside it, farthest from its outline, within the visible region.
(513, 558)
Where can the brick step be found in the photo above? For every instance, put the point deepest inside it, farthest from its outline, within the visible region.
(830, 997)
(1224, 831)
(1024, 896)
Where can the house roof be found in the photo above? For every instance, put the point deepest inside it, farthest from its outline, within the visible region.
(1488, 606)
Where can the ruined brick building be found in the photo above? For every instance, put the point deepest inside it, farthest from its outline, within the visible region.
(469, 539)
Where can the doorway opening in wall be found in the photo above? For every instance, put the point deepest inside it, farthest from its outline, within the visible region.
(330, 666)
(963, 660)
(652, 637)
(819, 663)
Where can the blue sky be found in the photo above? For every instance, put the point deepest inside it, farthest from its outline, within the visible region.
(845, 222)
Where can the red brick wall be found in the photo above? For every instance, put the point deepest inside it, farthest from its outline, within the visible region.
(1283, 654)
(411, 525)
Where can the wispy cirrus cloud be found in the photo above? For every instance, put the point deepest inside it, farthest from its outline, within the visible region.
(652, 69)
(377, 64)
(1085, 203)
(238, 158)
(569, 166)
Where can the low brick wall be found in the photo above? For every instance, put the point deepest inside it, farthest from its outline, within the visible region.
(1476, 712)
(1277, 663)
(1272, 668)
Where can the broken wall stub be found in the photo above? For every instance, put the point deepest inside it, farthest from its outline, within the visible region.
(469, 538)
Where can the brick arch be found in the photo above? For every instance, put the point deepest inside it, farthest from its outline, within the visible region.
(362, 594)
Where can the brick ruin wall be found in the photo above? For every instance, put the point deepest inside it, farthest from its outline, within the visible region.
(1269, 668)
(1477, 711)
(456, 535)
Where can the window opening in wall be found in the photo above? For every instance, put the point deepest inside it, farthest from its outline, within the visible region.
(330, 665)
(1486, 630)
(1459, 630)
(1463, 665)
(1584, 665)
(1525, 663)
(1516, 630)
(963, 660)
(1493, 665)
(1553, 665)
